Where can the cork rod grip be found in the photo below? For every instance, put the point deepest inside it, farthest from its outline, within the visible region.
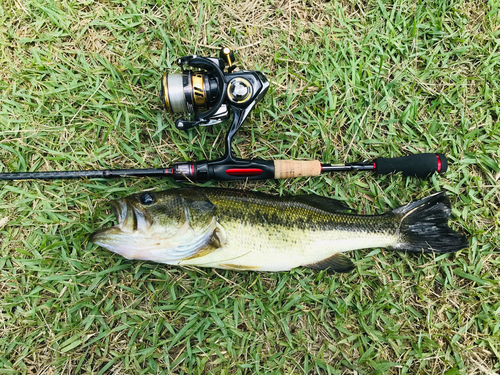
(296, 168)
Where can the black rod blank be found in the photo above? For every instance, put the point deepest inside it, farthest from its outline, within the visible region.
(109, 173)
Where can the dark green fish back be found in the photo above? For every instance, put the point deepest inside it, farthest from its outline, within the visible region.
(305, 212)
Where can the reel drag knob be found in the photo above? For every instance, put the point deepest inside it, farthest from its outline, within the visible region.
(239, 90)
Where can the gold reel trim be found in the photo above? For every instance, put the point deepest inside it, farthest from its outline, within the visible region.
(247, 83)
(198, 89)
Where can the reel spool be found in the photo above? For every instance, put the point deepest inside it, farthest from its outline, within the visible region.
(189, 92)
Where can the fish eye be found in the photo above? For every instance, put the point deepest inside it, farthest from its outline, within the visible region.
(147, 199)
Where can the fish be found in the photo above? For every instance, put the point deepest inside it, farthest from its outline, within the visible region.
(253, 231)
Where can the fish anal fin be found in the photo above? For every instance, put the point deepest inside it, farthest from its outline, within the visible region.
(237, 267)
(337, 262)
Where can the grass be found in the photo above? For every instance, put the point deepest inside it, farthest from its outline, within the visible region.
(350, 80)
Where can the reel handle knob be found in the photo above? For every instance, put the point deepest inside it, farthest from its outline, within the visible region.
(418, 165)
(227, 55)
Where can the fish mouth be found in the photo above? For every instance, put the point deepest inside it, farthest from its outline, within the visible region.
(119, 209)
(127, 221)
(127, 216)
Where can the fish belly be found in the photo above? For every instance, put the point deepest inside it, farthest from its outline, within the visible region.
(261, 247)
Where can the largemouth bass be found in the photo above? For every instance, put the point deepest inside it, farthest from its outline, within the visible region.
(242, 230)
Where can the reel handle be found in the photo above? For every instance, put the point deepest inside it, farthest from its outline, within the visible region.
(418, 165)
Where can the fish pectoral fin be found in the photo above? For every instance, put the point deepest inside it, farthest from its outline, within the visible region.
(338, 263)
(218, 237)
(216, 240)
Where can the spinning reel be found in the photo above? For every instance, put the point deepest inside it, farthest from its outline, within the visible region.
(207, 96)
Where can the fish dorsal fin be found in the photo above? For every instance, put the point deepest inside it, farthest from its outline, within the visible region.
(337, 262)
(321, 203)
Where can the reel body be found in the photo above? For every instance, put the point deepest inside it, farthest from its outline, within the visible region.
(207, 96)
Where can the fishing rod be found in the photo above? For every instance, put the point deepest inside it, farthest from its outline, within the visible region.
(208, 96)
(419, 165)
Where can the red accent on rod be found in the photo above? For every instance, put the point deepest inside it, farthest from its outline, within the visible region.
(107, 173)
(242, 172)
(439, 163)
(192, 170)
(374, 165)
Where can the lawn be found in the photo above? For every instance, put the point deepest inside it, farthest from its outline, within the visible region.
(350, 80)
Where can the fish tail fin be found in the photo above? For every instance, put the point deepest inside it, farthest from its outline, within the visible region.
(424, 227)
